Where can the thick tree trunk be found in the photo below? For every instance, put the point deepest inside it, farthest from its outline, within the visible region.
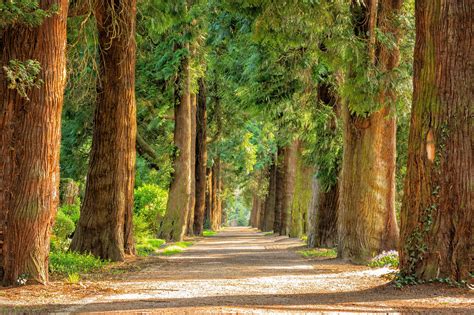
(216, 209)
(289, 186)
(173, 225)
(302, 196)
(105, 225)
(209, 198)
(201, 159)
(29, 142)
(267, 216)
(254, 213)
(437, 217)
(192, 198)
(366, 214)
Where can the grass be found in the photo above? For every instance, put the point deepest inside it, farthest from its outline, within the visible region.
(318, 252)
(66, 263)
(73, 278)
(208, 233)
(268, 233)
(175, 248)
(385, 259)
(304, 238)
(149, 246)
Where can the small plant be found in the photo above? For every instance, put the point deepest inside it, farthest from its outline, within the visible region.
(70, 262)
(208, 233)
(385, 259)
(73, 278)
(318, 252)
(304, 238)
(171, 250)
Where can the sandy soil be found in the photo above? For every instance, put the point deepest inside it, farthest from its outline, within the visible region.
(239, 271)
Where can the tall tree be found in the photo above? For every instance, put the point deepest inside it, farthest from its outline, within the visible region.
(289, 186)
(192, 198)
(437, 216)
(366, 215)
(267, 215)
(201, 158)
(30, 122)
(173, 225)
(105, 225)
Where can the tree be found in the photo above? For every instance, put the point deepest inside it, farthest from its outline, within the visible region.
(437, 216)
(105, 225)
(173, 225)
(366, 214)
(30, 123)
(201, 159)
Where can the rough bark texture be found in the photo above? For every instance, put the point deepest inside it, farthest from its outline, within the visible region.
(326, 218)
(192, 198)
(105, 225)
(437, 217)
(289, 186)
(302, 196)
(173, 225)
(312, 212)
(366, 214)
(209, 195)
(29, 142)
(216, 209)
(201, 159)
(267, 215)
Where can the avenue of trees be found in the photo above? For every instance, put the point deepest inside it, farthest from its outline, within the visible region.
(348, 122)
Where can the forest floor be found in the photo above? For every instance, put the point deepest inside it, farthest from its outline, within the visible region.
(238, 271)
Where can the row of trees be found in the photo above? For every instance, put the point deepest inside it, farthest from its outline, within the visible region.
(259, 96)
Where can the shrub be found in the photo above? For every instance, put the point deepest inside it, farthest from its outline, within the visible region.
(72, 211)
(150, 205)
(385, 259)
(66, 263)
(64, 226)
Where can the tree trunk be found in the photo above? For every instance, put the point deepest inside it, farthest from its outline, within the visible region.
(312, 212)
(289, 186)
(209, 199)
(173, 225)
(267, 216)
(201, 159)
(30, 134)
(302, 196)
(105, 225)
(279, 189)
(216, 209)
(326, 218)
(192, 199)
(437, 216)
(366, 214)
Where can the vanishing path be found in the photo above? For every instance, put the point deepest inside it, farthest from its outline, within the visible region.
(243, 271)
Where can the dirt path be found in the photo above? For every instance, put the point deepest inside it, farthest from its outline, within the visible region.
(242, 271)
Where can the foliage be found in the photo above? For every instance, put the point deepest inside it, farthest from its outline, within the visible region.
(69, 262)
(208, 233)
(26, 12)
(150, 205)
(318, 252)
(23, 75)
(385, 259)
(175, 248)
(64, 226)
(149, 246)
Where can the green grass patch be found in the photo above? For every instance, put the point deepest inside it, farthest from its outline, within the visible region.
(69, 263)
(149, 246)
(175, 248)
(318, 252)
(268, 233)
(304, 238)
(385, 259)
(182, 244)
(208, 233)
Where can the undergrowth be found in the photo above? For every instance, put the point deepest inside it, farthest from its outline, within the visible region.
(318, 252)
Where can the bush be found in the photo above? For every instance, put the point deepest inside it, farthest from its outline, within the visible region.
(64, 226)
(150, 205)
(66, 263)
(385, 259)
(72, 211)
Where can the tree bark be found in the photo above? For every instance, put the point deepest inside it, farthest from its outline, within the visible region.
(201, 159)
(192, 198)
(105, 227)
(173, 225)
(366, 214)
(30, 134)
(312, 212)
(267, 216)
(209, 199)
(289, 186)
(326, 218)
(437, 216)
(216, 215)
(279, 189)
(302, 195)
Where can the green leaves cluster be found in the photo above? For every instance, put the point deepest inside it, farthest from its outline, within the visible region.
(23, 75)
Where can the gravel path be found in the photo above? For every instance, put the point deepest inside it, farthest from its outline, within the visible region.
(241, 271)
